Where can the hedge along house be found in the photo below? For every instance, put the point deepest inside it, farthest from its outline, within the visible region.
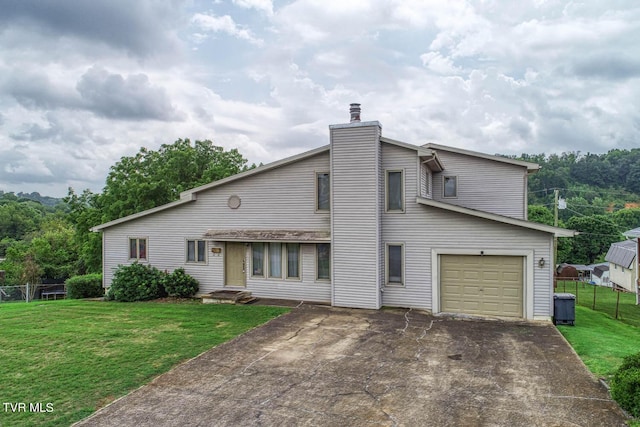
(364, 222)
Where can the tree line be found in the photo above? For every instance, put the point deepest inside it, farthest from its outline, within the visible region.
(601, 194)
(39, 243)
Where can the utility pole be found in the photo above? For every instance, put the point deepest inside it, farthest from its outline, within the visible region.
(556, 194)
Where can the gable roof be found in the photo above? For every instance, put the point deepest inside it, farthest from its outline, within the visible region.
(191, 195)
(622, 253)
(556, 231)
(531, 167)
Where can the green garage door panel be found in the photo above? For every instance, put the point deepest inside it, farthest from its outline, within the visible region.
(485, 285)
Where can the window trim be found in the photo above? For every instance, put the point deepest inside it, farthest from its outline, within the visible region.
(318, 279)
(444, 177)
(402, 264)
(317, 194)
(196, 252)
(286, 262)
(386, 191)
(264, 251)
(268, 258)
(146, 249)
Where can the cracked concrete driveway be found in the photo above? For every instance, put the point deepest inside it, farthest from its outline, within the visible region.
(330, 366)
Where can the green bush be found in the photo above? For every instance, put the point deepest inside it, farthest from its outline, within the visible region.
(136, 282)
(180, 284)
(625, 385)
(87, 286)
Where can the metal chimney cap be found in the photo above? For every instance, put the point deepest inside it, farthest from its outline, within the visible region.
(354, 110)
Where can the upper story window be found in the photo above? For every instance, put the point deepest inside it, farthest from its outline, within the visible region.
(425, 181)
(323, 202)
(450, 186)
(196, 251)
(395, 200)
(137, 248)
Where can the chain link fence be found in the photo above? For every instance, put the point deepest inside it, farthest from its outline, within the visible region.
(29, 292)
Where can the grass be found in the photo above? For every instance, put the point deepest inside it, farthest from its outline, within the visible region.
(600, 340)
(605, 301)
(80, 355)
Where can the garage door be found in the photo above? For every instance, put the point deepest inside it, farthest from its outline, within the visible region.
(484, 285)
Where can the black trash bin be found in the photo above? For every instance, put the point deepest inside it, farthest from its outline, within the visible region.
(564, 309)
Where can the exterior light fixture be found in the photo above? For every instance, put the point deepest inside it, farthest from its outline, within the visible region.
(541, 263)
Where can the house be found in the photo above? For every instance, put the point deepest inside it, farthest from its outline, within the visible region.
(363, 222)
(600, 274)
(622, 268)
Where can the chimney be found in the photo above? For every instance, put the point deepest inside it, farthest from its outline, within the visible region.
(354, 110)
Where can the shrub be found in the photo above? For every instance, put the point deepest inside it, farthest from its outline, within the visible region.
(180, 284)
(87, 286)
(625, 385)
(136, 282)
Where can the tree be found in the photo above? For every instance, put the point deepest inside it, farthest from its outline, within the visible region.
(152, 178)
(85, 212)
(54, 251)
(597, 232)
(627, 219)
(19, 218)
(540, 214)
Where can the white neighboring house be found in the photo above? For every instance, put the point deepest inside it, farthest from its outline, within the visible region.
(622, 264)
(363, 222)
(600, 274)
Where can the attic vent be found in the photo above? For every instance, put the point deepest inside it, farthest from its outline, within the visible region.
(354, 110)
(234, 201)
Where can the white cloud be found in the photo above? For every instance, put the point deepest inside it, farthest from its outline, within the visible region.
(494, 76)
(265, 6)
(224, 24)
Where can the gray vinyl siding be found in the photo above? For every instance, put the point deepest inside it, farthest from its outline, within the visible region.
(401, 228)
(355, 212)
(483, 184)
(423, 228)
(281, 198)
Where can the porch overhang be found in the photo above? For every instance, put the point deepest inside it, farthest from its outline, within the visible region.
(291, 236)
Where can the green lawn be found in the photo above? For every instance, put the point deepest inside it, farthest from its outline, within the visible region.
(80, 355)
(605, 301)
(601, 341)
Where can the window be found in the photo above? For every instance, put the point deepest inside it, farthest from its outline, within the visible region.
(293, 260)
(323, 261)
(275, 259)
(257, 259)
(395, 264)
(450, 186)
(196, 251)
(323, 202)
(425, 184)
(394, 191)
(137, 248)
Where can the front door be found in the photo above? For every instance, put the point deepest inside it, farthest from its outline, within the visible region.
(235, 264)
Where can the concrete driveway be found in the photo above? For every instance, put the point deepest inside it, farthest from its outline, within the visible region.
(323, 366)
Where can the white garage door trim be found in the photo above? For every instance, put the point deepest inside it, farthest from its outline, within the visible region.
(527, 304)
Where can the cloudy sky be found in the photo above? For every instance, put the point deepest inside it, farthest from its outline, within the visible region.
(83, 83)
